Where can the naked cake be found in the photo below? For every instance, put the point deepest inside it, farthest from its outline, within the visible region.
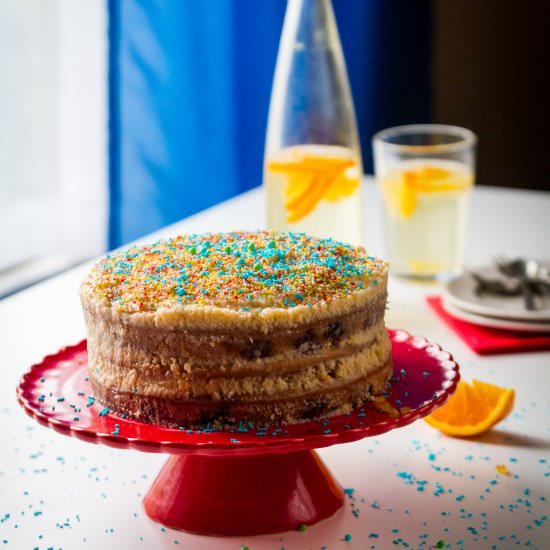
(214, 329)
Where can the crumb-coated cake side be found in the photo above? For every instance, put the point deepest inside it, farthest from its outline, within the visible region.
(265, 327)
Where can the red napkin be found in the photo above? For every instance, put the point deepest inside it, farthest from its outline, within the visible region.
(490, 341)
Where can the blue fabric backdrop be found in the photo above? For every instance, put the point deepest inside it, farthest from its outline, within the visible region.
(189, 87)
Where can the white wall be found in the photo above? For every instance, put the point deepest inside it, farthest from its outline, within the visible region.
(53, 130)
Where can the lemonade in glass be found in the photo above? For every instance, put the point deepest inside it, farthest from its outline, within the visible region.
(425, 174)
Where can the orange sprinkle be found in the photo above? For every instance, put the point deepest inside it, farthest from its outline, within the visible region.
(501, 469)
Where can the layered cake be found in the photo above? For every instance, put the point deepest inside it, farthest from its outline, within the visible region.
(215, 329)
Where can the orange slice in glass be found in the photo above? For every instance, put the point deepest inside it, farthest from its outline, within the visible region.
(473, 409)
(314, 173)
(408, 194)
(344, 185)
(300, 206)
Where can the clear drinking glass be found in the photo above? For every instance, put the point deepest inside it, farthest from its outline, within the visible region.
(425, 173)
(312, 167)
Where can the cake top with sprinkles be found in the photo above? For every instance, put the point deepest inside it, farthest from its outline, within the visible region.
(240, 270)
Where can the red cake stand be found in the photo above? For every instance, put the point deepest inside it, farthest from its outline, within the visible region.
(245, 481)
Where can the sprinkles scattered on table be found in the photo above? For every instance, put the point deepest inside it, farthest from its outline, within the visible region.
(240, 270)
(520, 521)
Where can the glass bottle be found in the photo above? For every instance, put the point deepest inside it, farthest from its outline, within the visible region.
(312, 164)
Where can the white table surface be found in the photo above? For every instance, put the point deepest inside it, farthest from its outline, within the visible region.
(59, 492)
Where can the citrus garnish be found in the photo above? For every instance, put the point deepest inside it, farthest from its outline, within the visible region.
(402, 187)
(407, 194)
(314, 173)
(473, 409)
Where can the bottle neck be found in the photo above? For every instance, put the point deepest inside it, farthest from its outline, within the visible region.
(311, 24)
(311, 100)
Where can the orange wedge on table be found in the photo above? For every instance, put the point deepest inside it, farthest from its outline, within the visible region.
(473, 409)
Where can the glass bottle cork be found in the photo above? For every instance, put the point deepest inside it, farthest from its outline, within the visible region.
(312, 165)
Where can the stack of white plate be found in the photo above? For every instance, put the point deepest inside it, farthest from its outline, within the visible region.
(505, 312)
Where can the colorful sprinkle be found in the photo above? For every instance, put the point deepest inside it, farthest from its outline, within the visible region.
(236, 270)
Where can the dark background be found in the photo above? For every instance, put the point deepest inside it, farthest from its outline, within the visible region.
(490, 64)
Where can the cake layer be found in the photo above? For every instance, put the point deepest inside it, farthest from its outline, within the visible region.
(198, 414)
(328, 373)
(260, 281)
(234, 344)
(219, 320)
(181, 352)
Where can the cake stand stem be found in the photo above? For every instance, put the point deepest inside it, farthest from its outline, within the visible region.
(243, 494)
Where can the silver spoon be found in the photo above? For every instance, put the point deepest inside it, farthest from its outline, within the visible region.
(517, 269)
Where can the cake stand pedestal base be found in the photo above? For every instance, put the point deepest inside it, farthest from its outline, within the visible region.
(243, 495)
